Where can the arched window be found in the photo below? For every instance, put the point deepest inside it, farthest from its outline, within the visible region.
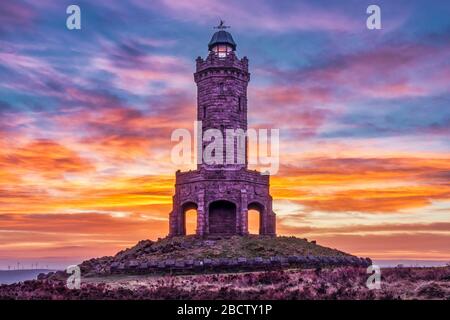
(241, 103)
(255, 216)
(189, 218)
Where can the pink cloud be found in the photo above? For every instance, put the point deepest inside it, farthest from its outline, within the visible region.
(137, 77)
(387, 72)
(257, 15)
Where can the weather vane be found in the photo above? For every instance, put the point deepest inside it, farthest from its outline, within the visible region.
(222, 25)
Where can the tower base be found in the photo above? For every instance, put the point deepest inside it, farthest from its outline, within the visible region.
(222, 199)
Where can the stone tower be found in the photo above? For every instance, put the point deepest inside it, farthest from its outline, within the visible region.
(222, 193)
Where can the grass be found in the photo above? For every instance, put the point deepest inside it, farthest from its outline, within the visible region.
(192, 247)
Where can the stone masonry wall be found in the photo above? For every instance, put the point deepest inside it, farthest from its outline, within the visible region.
(222, 104)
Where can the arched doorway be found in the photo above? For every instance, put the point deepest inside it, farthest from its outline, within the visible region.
(222, 217)
(189, 217)
(255, 218)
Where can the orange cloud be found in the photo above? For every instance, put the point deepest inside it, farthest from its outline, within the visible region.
(45, 157)
(82, 197)
(367, 185)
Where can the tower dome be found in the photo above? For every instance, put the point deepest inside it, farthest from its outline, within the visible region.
(222, 42)
(222, 37)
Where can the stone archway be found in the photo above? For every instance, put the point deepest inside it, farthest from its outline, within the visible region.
(260, 215)
(184, 209)
(222, 217)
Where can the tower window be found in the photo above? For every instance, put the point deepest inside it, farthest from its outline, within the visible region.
(222, 50)
(221, 88)
(241, 103)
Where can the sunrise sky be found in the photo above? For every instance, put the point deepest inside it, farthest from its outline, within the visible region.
(86, 118)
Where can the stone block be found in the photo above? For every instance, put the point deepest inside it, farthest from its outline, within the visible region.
(292, 259)
(170, 263)
(189, 262)
(198, 264)
(133, 264)
(179, 264)
(232, 262)
(258, 260)
(216, 262)
(114, 265)
(207, 262)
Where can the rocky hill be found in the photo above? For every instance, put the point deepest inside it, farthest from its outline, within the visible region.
(191, 254)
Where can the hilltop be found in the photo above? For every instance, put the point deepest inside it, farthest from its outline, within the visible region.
(195, 254)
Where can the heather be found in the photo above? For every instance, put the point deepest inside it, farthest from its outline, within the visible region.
(329, 283)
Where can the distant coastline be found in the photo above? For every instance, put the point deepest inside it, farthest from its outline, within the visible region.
(12, 276)
(410, 263)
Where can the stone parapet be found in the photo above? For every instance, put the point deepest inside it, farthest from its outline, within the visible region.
(252, 176)
(206, 265)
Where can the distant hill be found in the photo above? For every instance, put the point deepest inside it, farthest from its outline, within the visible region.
(12, 276)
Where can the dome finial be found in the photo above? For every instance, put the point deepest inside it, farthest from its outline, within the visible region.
(221, 25)
(222, 41)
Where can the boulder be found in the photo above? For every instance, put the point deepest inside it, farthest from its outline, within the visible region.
(170, 263)
(232, 262)
(216, 262)
(348, 260)
(363, 262)
(275, 260)
(251, 262)
(41, 276)
(207, 262)
(133, 264)
(284, 261)
(209, 243)
(189, 262)
(198, 264)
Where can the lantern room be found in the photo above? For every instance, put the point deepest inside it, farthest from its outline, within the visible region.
(222, 43)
